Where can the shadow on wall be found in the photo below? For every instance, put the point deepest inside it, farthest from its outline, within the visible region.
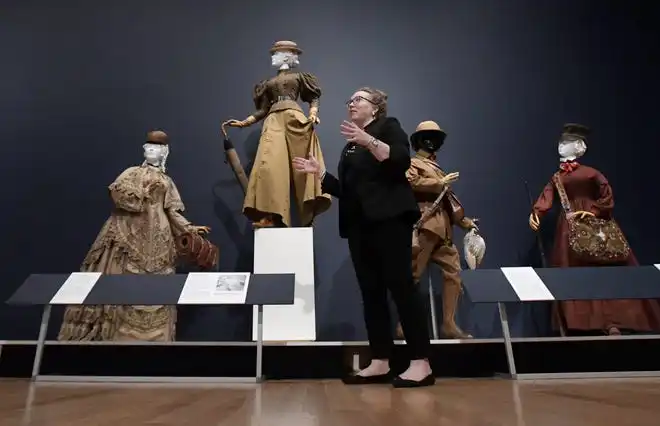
(191, 319)
(204, 323)
(339, 327)
(251, 145)
(525, 320)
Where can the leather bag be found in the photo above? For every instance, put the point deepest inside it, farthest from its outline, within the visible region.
(591, 239)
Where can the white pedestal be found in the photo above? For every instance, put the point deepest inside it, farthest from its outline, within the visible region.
(287, 250)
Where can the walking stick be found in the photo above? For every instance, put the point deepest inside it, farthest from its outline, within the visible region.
(555, 306)
(231, 158)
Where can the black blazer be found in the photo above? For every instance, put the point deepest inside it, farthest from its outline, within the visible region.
(370, 190)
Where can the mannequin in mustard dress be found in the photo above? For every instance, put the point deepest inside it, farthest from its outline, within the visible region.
(287, 133)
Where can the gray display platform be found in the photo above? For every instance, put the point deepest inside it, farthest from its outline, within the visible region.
(96, 289)
(526, 284)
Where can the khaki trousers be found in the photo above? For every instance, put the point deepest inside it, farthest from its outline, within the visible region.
(433, 248)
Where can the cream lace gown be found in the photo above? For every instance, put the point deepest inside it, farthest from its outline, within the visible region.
(138, 238)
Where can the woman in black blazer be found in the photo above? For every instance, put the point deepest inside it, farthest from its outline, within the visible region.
(377, 211)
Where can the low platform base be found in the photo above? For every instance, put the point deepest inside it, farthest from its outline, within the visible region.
(180, 362)
(234, 362)
(144, 379)
(587, 375)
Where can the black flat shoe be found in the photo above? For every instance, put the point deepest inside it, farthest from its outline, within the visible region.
(356, 379)
(398, 382)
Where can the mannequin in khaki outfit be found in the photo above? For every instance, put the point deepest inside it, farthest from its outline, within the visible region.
(435, 234)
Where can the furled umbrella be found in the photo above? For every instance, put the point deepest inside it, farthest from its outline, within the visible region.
(231, 158)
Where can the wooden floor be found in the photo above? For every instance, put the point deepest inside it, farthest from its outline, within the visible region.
(630, 402)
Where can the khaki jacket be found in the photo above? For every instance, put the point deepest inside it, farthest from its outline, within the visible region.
(424, 176)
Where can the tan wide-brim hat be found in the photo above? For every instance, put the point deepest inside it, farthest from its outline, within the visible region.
(286, 46)
(426, 128)
(158, 137)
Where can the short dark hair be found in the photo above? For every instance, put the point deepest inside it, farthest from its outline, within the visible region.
(378, 98)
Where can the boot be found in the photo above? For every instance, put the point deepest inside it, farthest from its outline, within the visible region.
(613, 331)
(266, 222)
(450, 295)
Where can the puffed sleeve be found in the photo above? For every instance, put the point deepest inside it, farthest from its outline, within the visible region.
(397, 139)
(421, 183)
(604, 205)
(127, 191)
(173, 199)
(260, 98)
(174, 207)
(310, 90)
(544, 203)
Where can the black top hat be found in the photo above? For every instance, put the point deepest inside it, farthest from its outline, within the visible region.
(575, 130)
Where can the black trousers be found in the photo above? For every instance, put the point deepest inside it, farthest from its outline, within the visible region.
(381, 253)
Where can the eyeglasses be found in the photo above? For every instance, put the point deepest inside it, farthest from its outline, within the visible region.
(356, 100)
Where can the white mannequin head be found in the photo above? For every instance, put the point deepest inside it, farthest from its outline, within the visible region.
(156, 154)
(284, 60)
(571, 149)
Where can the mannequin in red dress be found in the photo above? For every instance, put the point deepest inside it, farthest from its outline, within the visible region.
(589, 193)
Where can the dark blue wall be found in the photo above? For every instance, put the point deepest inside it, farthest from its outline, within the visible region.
(81, 82)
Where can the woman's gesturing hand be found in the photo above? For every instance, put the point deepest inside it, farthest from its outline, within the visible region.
(307, 165)
(354, 134)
